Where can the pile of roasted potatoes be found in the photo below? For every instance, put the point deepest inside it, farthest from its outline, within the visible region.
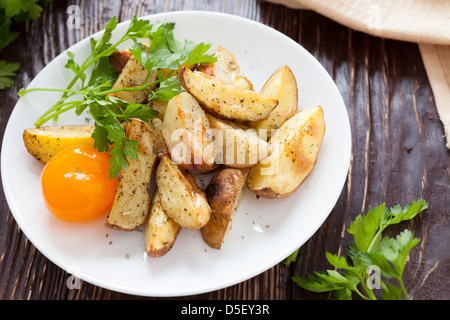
(219, 126)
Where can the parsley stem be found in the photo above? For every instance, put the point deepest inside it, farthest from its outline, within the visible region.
(377, 236)
(56, 108)
(87, 63)
(52, 90)
(52, 110)
(141, 87)
(369, 292)
(360, 294)
(375, 240)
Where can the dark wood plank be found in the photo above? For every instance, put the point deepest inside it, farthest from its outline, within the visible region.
(398, 153)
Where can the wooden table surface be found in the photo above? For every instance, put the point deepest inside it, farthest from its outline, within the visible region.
(398, 155)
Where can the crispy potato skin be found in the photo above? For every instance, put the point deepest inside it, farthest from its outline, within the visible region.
(226, 68)
(119, 59)
(161, 231)
(181, 198)
(281, 86)
(225, 100)
(224, 193)
(296, 147)
(184, 130)
(45, 142)
(132, 201)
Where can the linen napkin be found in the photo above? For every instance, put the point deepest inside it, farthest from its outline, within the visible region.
(426, 22)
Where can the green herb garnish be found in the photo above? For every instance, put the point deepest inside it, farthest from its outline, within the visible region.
(108, 112)
(12, 13)
(377, 262)
(7, 71)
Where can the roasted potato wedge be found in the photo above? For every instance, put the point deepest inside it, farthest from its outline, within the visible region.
(226, 68)
(295, 148)
(160, 231)
(243, 83)
(281, 86)
(156, 127)
(45, 142)
(133, 75)
(132, 201)
(224, 193)
(225, 100)
(236, 145)
(185, 131)
(181, 198)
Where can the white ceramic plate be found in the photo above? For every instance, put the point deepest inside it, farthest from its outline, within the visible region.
(264, 232)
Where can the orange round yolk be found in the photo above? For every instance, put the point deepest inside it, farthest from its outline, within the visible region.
(76, 184)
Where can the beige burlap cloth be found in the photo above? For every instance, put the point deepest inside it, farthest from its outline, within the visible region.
(426, 22)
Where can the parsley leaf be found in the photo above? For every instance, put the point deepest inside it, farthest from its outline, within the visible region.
(367, 230)
(6, 35)
(140, 111)
(139, 28)
(291, 258)
(326, 281)
(165, 52)
(365, 227)
(72, 65)
(195, 53)
(109, 131)
(168, 88)
(15, 7)
(102, 71)
(103, 44)
(391, 254)
(100, 136)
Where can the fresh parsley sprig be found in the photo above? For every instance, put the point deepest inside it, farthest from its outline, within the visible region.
(95, 78)
(369, 253)
(166, 53)
(7, 71)
(13, 13)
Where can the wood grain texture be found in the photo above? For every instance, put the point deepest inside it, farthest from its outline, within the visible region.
(398, 151)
